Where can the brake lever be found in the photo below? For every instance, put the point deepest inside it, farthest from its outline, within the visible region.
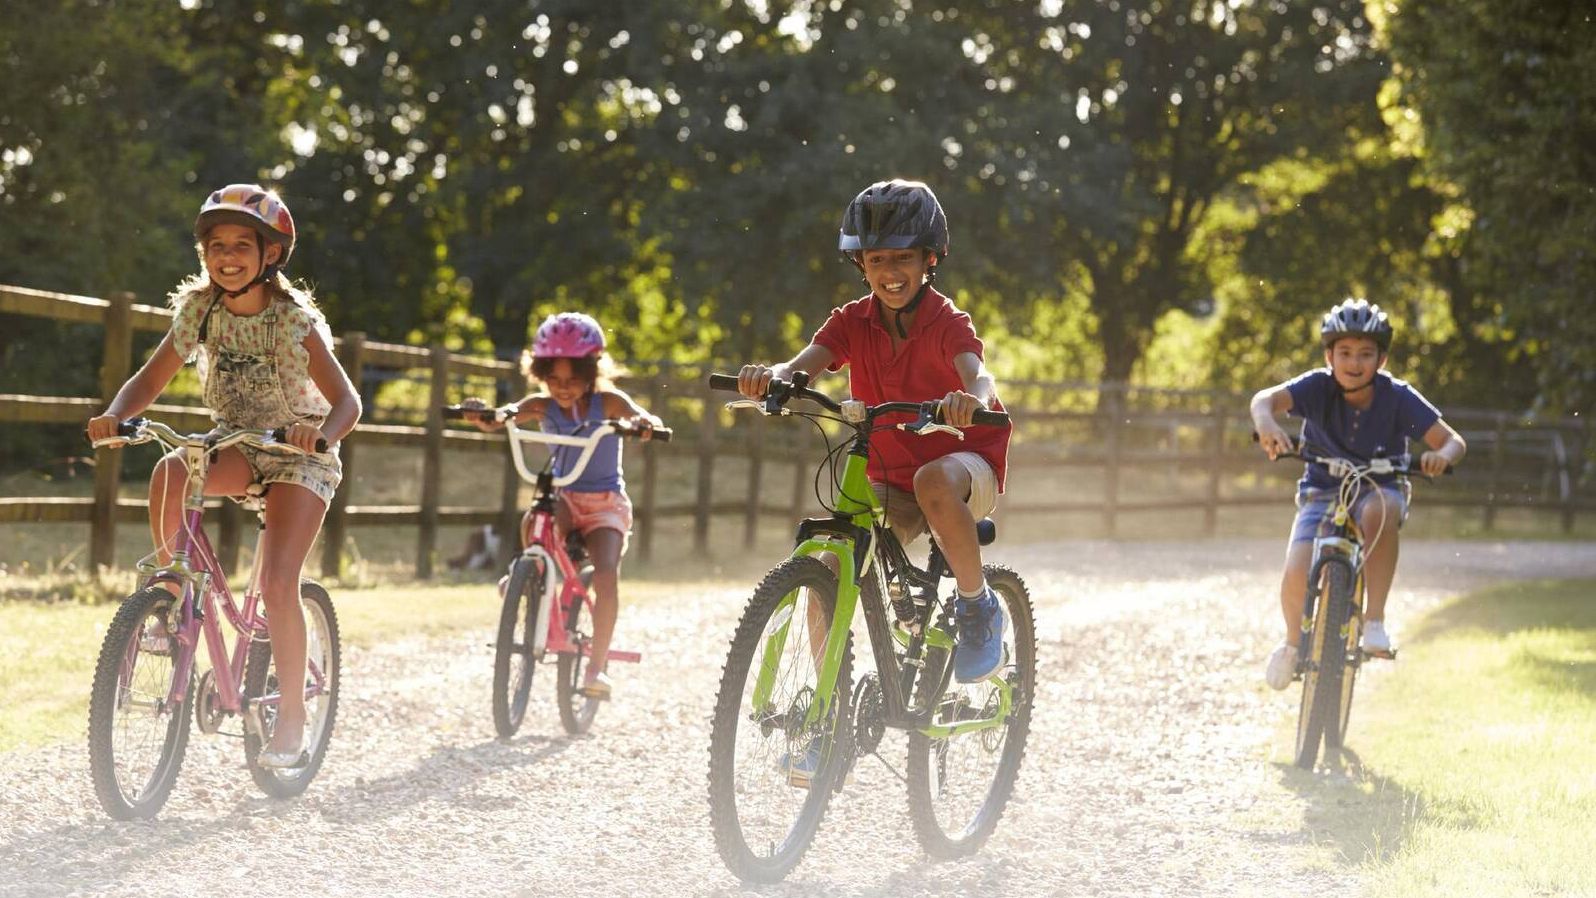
(753, 404)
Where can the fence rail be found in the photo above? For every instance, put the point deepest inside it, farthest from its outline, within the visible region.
(1189, 432)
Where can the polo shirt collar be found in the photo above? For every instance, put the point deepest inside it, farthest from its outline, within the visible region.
(932, 306)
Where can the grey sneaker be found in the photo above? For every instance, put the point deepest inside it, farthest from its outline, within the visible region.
(1282, 666)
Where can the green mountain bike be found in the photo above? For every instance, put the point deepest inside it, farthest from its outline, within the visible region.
(790, 719)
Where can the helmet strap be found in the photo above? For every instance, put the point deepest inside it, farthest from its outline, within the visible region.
(908, 309)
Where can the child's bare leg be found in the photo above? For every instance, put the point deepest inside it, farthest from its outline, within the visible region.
(293, 518)
(1379, 565)
(228, 475)
(940, 488)
(604, 547)
(1294, 586)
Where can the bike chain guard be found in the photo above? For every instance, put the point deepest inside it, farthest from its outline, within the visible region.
(869, 715)
(208, 714)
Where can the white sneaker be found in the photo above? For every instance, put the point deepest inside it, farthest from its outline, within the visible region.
(1282, 666)
(1375, 640)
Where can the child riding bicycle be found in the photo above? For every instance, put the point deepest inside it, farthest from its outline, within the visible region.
(568, 358)
(906, 341)
(1353, 410)
(264, 354)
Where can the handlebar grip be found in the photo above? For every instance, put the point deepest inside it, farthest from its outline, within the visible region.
(130, 427)
(987, 416)
(727, 382)
(454, 413)
(661, 434)
(281, 436)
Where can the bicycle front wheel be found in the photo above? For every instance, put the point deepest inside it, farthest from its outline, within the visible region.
(773, 761)
(321, 686)
(137, 735)
(512, 654)
(959, 784)
(576, 709)
(1320, 711)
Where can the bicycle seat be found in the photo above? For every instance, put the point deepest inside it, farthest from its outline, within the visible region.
(986, 531)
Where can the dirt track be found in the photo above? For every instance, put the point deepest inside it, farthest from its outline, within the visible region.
(1155, 764)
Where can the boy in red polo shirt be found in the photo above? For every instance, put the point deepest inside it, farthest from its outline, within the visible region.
(907, 342)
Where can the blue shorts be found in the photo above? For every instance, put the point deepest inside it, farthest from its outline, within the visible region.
(1315, 508)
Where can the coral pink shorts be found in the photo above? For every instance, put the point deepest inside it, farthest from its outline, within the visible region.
(597, 511)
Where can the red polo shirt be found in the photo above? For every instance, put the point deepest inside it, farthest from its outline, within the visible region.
(921, 370)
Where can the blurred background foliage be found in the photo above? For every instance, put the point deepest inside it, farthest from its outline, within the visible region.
(1168, 193)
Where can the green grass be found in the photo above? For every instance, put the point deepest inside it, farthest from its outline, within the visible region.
(1472, 768)
(48, 650)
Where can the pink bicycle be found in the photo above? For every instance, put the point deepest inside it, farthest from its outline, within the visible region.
(145, 678)
(548, 608)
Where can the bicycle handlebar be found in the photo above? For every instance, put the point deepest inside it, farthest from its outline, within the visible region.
(780, 392)
(136, 431)
(620, 427)
(1376, 466)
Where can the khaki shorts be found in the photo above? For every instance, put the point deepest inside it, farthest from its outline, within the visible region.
(903, 512)
(320, 473)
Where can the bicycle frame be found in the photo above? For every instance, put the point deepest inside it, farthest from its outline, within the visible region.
(851, 535)
(204, 587)
(543, 542)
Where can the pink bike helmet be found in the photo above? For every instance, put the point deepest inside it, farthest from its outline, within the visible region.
(252, 206)
(568, 335)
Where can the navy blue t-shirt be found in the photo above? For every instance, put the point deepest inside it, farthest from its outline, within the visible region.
(1397, 414)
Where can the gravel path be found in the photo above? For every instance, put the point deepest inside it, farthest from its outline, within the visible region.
(1155, 765)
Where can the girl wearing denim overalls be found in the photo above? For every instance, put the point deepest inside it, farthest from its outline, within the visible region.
(264, 354)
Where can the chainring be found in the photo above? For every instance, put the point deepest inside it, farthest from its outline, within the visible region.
(869, 714)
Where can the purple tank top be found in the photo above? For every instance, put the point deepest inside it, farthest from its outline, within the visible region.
(603, 471)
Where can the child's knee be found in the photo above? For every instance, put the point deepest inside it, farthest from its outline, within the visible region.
(935, 482)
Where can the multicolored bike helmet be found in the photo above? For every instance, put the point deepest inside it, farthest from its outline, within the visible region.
(893, 214)
(568, 335)
(252, 206)
(1356, 318)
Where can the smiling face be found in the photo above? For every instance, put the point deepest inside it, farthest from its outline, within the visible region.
(1353, 361)
(895, 275)
(233, 255)
(565, 384)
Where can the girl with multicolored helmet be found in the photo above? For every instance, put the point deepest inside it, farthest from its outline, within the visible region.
(264, 356)
(568, 358)
(1350, 409)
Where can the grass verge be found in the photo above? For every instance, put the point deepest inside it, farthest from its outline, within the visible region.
(1471, 770)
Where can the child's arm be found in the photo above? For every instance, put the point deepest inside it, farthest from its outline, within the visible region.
(333, 382)
(531, 406)
(1266, 404)
(754, 380)
(143, 388)
(959, 407)
(1446, 448)
(619, 405)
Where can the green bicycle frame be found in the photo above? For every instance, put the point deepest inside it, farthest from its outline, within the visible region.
(857, 502)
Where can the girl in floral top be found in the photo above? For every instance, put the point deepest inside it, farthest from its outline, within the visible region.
(264, 355)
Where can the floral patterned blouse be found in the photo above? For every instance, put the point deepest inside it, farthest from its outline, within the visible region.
(250, 335)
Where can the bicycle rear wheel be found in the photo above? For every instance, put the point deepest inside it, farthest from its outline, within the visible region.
(512, 654)
(772, 769)
(137, 737)
(1320, 710)
(321, 710)
(960, 785)
(576, 709)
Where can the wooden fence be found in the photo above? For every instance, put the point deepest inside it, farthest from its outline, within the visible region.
(1198, 438)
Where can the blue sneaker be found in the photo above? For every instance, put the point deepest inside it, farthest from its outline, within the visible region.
(802, 767)
(978, 650)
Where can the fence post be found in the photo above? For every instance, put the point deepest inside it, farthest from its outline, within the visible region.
(116, 363)
(1216, 464)
(1114, 410)
(352, 356)
(756, 461)
(1498, 452)
(645, 518)
(432, 464)
(706, 470)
